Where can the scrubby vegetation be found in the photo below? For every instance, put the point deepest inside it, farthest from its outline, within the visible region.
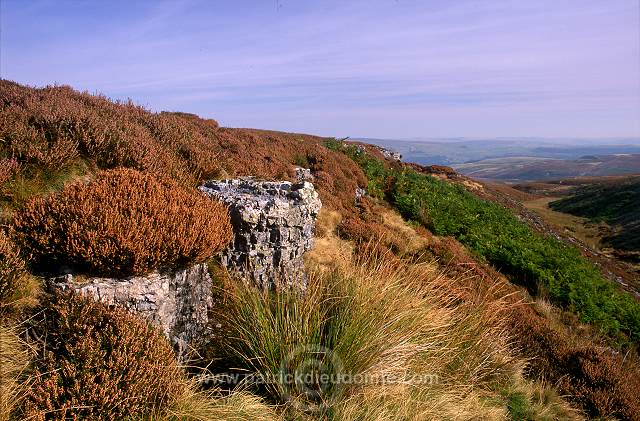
(108, 188)
(17, 286)
(47, 133)
(12, 269)
(544, 265)
(98, 363)
(123, 222)
(399, 334)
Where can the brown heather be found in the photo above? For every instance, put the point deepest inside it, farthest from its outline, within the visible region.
(98, 363)
(50, 128)
(123, 222)
(8, 168)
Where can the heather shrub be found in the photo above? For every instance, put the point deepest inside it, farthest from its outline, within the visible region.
(8, 167)
(98, 363)
(50, 128)
(123, 222)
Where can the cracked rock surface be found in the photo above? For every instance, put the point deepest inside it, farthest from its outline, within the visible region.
(178, 302)
(273, 226)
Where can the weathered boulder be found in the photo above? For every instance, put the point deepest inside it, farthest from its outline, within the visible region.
(273, 225)
(176, 302)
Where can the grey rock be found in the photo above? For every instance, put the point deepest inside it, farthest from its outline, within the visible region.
(389, 154)
(303, 174)
(178, 303)
(273, 225)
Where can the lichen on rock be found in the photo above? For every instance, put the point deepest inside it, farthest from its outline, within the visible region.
(273, 226)
(176, 302)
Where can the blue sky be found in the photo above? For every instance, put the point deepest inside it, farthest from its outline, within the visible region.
(374, 68)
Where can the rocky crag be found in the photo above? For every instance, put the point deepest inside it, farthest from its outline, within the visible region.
(273, 225)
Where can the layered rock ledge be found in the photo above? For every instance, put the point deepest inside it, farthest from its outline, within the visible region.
(273, 225)
(178, 302)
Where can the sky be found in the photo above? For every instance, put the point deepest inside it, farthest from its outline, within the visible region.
(374, 68)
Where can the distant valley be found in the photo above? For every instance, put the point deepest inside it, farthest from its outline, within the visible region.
(514, 160)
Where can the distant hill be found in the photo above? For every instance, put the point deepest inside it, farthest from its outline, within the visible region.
(461, 150)
(529, 168)
(615, 202)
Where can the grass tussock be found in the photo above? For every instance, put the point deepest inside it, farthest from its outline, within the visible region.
(14, 360)
(123, 222)
(419, 351)
(213, 405)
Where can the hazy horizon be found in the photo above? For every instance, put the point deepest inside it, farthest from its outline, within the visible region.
(385, 69)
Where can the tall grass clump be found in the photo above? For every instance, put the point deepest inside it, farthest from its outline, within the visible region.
(388, 337)
(543, 264)
(14, 360)
(123, 222)
(98, 363)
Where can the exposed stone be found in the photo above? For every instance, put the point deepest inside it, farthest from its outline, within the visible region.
(273, 225)
(389, 154)
(303, 174)
(178, 303)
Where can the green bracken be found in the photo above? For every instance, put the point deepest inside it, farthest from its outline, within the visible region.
(542, 264)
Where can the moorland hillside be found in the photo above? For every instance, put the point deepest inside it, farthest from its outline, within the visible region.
(424, 275)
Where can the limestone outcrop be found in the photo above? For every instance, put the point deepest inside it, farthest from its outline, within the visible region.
(177, 302)
(273, 225)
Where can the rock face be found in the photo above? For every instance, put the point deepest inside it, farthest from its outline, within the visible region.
(178, 303)
(273, 225)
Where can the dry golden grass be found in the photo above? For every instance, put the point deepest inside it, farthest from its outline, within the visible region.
(123, 222)
(213, 405)
(14, 359)
(328, 248)
(405, 235)
(576, 226)
(384, 318)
